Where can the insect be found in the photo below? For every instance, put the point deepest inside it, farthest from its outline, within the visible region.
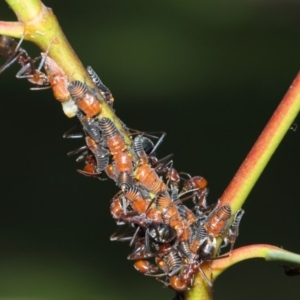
(167, 259)
(54, 77)
(136, 200)
(165, 168)
(113, 138)
(149, 179)
(233, 230)
(100, 153)
(185, 279)
(139, 143)
(135, 208)
(106, 93)
(291, 270)
(10, 49)
(95, 154)
(84, 98)
(145, 267)
(170, 262)
(59, 84)
(217, 220)
(170, 213)
(123, 169)
(199, 185)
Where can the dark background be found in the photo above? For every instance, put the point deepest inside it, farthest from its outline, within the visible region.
(210, 74)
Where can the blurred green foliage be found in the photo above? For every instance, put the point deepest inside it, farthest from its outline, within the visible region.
(210, 74)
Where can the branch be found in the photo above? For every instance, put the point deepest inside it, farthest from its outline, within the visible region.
(249, 172)
(262, 151)
(267, 252)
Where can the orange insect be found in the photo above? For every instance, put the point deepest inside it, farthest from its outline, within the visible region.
(149, 179)
(199, 184)
(113, 138)
(57, 79)
(59, 84)
(145, 267)
(217, 221)
(85, 98)
(116, 207)
(171, 215)
(136, 200)
(110, 172)
(167, 259)
(123, 169)
(90, 166)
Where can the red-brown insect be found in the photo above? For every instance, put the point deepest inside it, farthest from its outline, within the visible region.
(148, 178)
(113, 138)
(123, 169)
(90, 167)
(57, 78)
(11, 49)
(140, 211)
(217, 221)
(110, 172)
(85, 98)
(116, 207)
(169, 212)
(167, 259)
(165, 168)
(199, 185)
(145, 267)
(136, 200)
(59, 84)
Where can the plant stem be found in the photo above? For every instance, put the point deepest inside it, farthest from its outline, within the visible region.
(268, 252)
(14, 29)
(262, 151)
(255, 162)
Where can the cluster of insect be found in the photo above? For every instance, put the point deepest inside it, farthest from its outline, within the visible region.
(170, 240)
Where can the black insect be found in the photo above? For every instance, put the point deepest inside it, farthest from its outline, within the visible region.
(291, 270)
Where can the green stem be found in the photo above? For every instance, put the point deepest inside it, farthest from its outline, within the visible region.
(26, 11)
(14, 29)
(267, 252)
